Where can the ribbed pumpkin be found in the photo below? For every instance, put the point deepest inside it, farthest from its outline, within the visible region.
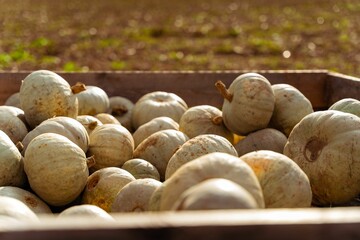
(349, 105)
(141, 168)
(92, 101)
(89, 122)
(157, 104)
(13, 100)
(106, 118)
(85, 210)
(13, 123)
(121, 109)
(326, 145)
(15, 209)
(248, 103)
(45, 94)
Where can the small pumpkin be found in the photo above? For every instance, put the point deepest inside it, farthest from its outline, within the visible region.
(141, 168)
(349, 105)
(85, 210)
(15, 209)
(121, 109)
(89, 122)
(13, 123)
(157, 104)
(106, 118)
(248, 103)
(204, 119)
(92, 101)
(326, 145)
(13, 100)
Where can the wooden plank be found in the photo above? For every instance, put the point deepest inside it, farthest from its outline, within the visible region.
(297, 224)
(195, 87)
(342, 86)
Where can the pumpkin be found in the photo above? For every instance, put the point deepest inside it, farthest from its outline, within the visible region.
(106, 118)
(85, 210)
(196, 147)
(103, 185)
(121, 109)
(154, 125)
(15, 209)
(89, 122)
(204, 119)
(141, 168)
(348, 105)
(135, 196)
(212, 165)
(57, 168)
(66, 126)
(92, 101)
(215, 194)
(37, 205)
(155, 199)
(112, 145)
(248, 103)
(13, 100)
(13, 123)
(45, 94)
(159, 147)
(12, 169)
(157, 104)
(290, 107)
(326, 145)
(264, 139)
(284, 183)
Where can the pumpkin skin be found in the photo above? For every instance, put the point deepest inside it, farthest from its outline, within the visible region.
(85, 210)
(12, 168)
(89, 122)
(157, 104)
(15, 209)
(13, 123)
(284, 183)
(290, 107)
(121, 109)
(212, 165)
(196, 147)
(56, 168)
(45, 94)
(348, 105)
(92, 101)
(154, 125)
(159, 147)
(65, 126)
(13, 100)
(204, 119)
(326, 145)
(112, 145)
(264, 139)
(248, 103)
(215, 194)
(106, 118)
(141, 168)
(103, 185)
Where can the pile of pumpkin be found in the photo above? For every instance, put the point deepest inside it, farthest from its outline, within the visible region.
(73, 150)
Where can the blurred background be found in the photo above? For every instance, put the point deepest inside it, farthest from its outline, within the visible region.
(90, 35)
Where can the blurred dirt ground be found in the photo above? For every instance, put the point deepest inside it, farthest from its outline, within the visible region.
(87, 35)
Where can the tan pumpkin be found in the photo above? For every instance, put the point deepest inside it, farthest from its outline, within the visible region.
(45, 94)
(284, 183)
(154, 125)
(159, 147)
(92, 101)
(89, 122)
(348, 105)
(36, 204)
(85, 211)
(112, 145)
(204, 119)
(212, 165)
(196, 147)
(13, 100)
(157, 104)
(57, 168)
(121, 109)
(103, 185)
(15, 209)
(215, 194)
(66, 126)
(264, 139)
(155, 199)
(248, 103)
(141, 168)
(290, 107)
(106, 118)
(13, 123)
(12, 168)
(326, 145)
(135, 196)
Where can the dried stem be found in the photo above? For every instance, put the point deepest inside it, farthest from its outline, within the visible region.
(217, 120)
(92, 125)
(223, 91)
(90, 161)
(78, 88)
(119, 111)
(19, 146)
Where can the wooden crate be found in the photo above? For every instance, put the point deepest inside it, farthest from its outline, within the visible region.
(321, 87)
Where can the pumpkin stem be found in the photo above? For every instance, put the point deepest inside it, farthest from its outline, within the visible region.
(223, 91)
(118, 111)
(90, 161)
(92, 125)
(19, 146)
(217, 120)
(78, 88)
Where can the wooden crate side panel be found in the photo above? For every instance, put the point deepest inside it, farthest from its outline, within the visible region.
(342, 86)
(195, 88)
